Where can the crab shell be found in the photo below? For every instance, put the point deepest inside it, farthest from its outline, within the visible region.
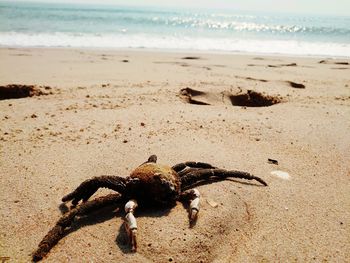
(155, 184)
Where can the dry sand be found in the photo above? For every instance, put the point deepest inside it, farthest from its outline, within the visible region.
(107, 111)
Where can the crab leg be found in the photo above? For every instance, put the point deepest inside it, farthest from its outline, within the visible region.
(58, 231)
(188, 179)
(87, 188)
(130, 223)
(193, 196)
(180, 166)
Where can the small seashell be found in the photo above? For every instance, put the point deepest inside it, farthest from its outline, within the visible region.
(212, 203)
(281, 174)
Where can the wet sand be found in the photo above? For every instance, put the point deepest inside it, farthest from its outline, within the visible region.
(103, 112)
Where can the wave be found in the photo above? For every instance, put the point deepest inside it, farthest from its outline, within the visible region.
(43, 18)
(240, 23)
(148, 41)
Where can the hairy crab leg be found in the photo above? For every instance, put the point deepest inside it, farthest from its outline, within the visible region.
(58, 231)
(187, 170)
(87, 188)
(193, 196)
(206, 174)
(130, 223)
(180, 166)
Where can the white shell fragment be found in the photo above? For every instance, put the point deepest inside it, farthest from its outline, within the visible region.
(212, 203)
(281, 174)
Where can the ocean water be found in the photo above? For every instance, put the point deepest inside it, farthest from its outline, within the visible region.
(93, 26)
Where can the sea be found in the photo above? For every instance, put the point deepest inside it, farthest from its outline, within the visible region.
(25, 24)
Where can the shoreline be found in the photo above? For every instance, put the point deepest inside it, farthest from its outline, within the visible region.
(179, 51)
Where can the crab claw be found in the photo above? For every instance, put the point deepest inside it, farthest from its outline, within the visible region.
(130, 223)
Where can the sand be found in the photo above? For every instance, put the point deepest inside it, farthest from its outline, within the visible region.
(103, 112)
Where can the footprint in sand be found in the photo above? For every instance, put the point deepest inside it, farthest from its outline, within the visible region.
(334, 62)
(191, 58)
(247, 98)
(290, 83)
(283, 65)
(296, 85)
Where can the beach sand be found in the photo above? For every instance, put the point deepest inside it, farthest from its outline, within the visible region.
(106, 111)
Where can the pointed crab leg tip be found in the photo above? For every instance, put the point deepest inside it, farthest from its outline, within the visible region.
(66, 198)
(133, 240)
(38, 255)
(193, 215)
(260, 181)
(36, 258)
(264, 183)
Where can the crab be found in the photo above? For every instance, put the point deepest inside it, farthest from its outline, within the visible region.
(150, 184)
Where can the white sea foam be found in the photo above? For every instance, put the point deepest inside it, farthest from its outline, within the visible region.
(178, 43)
